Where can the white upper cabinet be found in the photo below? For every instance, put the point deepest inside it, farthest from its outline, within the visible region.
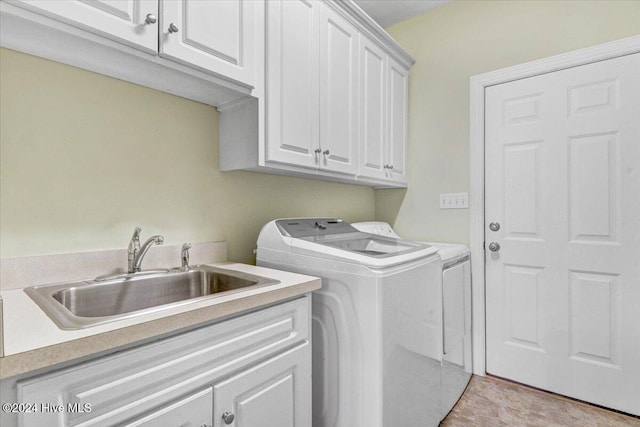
(311, 97)
(383, 142)
(214, 36)
(133, 22)
(339, 102)
(292, 82)
(373, 147)
(334, 103)
(398, 90)
(205, 50)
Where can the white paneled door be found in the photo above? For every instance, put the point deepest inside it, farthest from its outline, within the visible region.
(562, 171)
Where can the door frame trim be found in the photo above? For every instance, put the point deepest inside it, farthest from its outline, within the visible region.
(478, 83)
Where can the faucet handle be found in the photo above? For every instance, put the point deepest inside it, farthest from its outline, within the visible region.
(184, 255)
(134, 244)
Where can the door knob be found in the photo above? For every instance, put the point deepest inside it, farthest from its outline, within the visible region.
(318, 150)
(173, 28)
(228, 417)
(151, 19)
(494, 226)
(494, 246)
(326, 152)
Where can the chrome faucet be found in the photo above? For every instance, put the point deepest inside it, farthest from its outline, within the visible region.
(136, 252)
(184, 255)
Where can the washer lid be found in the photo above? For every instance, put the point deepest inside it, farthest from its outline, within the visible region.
(336, 239)
(370, 245)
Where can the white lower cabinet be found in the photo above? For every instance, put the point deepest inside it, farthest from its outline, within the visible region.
(194, 410)
(250, 371)
(267, 394)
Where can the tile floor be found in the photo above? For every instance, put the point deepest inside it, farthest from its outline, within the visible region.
(493, 402)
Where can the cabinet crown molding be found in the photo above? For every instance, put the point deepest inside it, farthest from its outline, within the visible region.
(359, 17)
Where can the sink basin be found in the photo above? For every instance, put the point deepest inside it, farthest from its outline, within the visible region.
(81, 304)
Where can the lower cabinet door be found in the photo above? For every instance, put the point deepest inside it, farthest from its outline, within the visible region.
(275, 393)
(195, 410)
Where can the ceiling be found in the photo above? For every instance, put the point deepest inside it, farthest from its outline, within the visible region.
(389, 12)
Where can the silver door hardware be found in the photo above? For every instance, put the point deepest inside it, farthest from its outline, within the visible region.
(228, 417)
(326, 152)
(173, 28)
(494, 246)
(151, 19)
(494, 226)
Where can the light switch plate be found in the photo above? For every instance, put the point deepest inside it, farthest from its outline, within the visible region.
(454, 201)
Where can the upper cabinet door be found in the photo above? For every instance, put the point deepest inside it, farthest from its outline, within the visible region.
(215, 36)
(133, 22)
(398, 104)
(292, 82)
(373, 63)
(338, 92)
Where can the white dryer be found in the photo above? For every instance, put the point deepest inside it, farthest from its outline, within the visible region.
(376, 323)
(456, 354)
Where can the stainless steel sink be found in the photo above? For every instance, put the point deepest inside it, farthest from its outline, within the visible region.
(81, 304)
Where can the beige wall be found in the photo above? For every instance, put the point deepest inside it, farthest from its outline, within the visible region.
(453, 43)
(85, 158)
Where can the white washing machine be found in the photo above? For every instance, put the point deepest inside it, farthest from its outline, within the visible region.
(376, 321)
(456, 357)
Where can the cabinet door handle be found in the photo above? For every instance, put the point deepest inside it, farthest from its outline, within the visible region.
(326, 152)
(391, 167)
(228, 417)
(173, 28)
(151, 19)
(318, 150)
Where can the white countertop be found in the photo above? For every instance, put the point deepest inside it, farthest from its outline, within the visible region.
(32, 340)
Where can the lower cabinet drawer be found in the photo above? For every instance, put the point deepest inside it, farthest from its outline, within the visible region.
(115, 389)
(195, 410)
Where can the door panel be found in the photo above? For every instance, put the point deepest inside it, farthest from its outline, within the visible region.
(292, 90)
(373, 123)
(339, 94)
(122, 20)
(215, 36)
(275, 393)
(563, 290)
(398, 105)
(191, 411)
